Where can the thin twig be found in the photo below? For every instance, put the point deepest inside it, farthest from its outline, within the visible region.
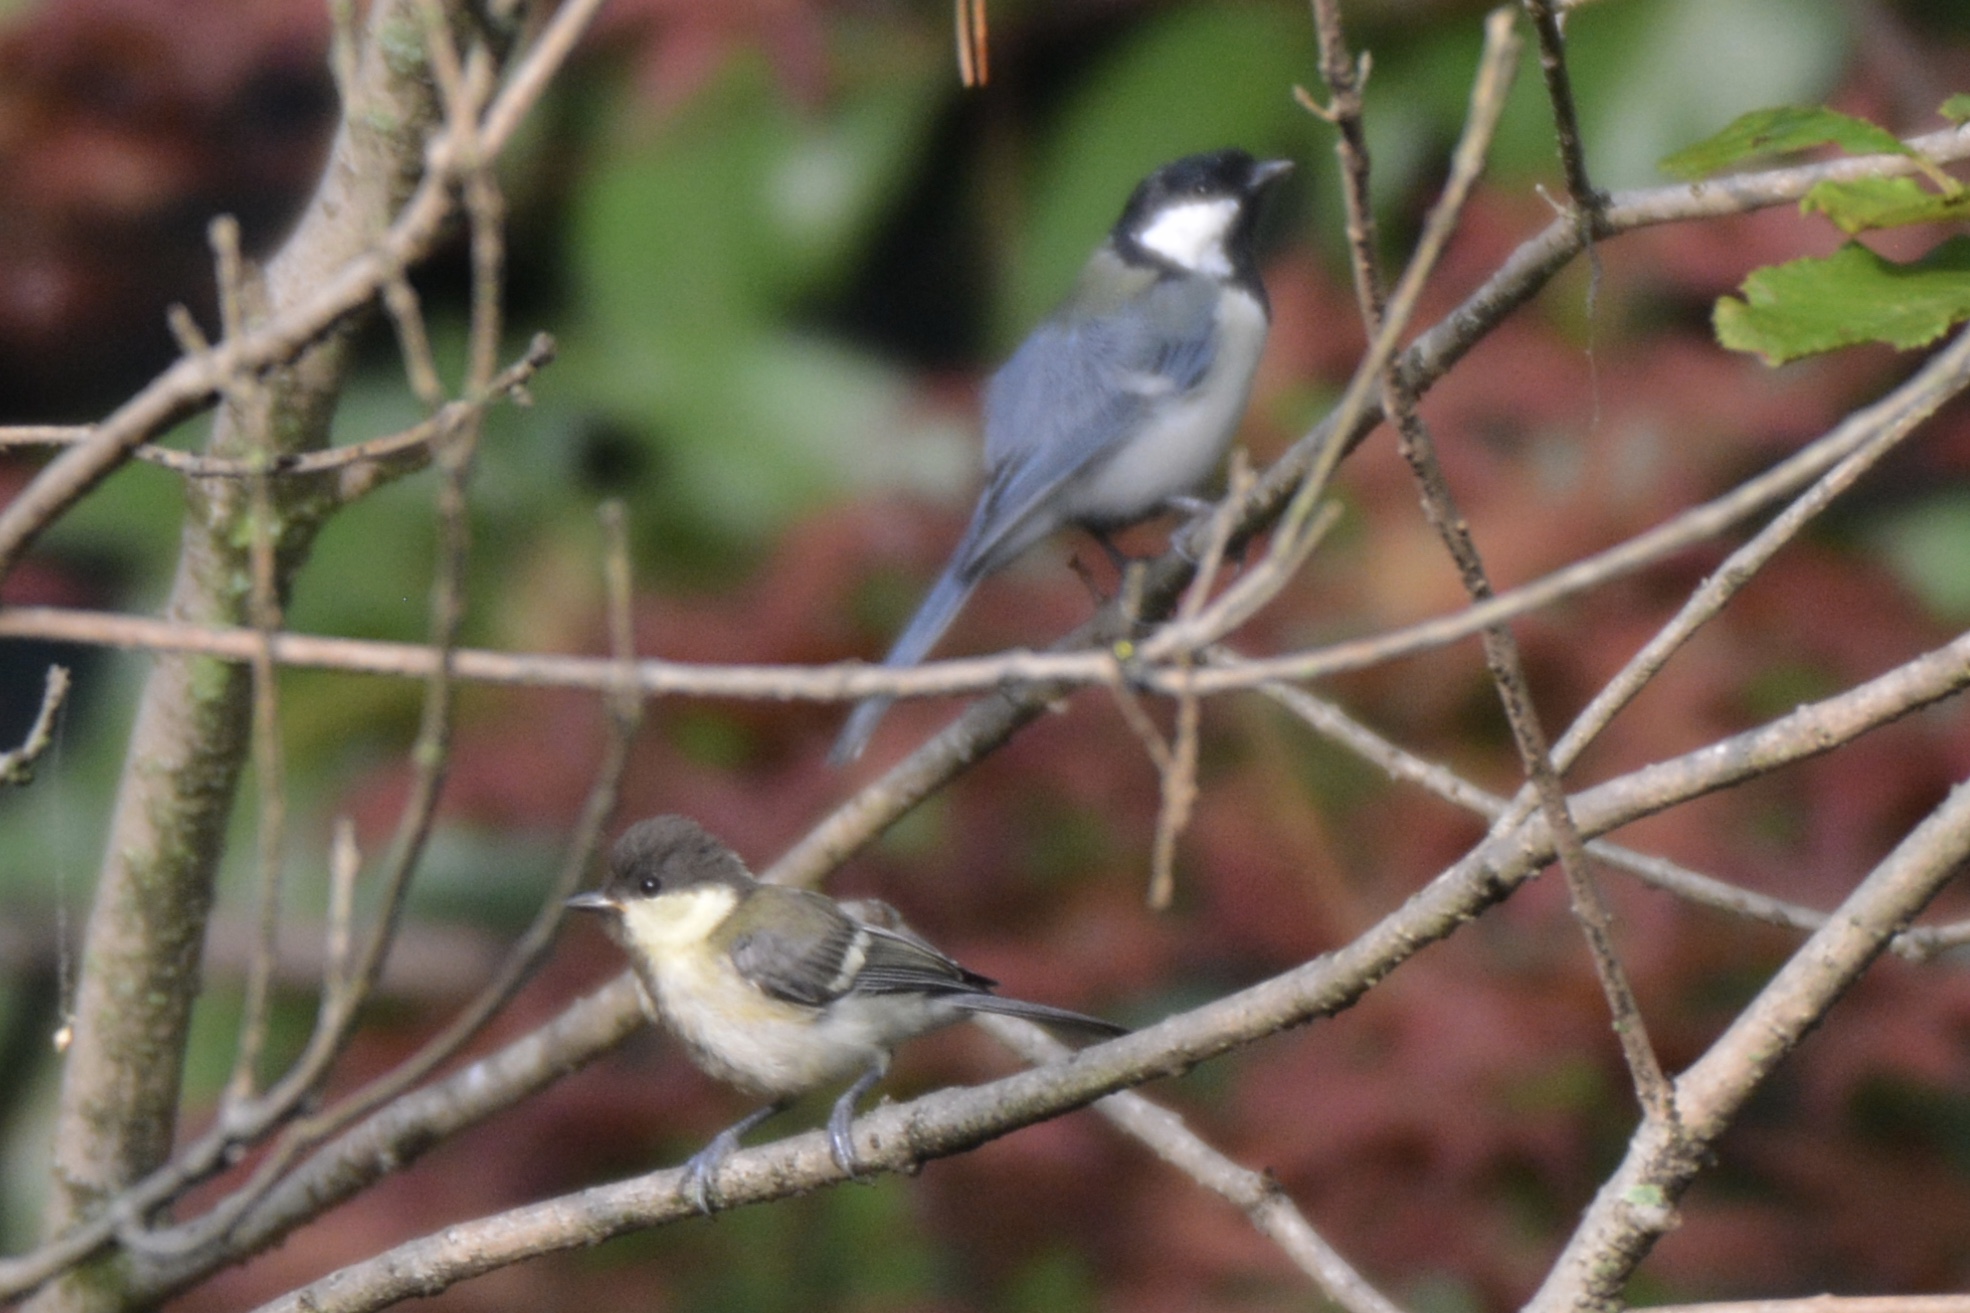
(1587, 202)
(17, 764)
(895, 1137)
(974, 55)
(1820, 1303)
(345, 864)
(509, 384)
(1177, 764)
(530, 78)
(413, 341)
(1501, 651)
(1255, 1193)
(252, 425)
(1636, 1204)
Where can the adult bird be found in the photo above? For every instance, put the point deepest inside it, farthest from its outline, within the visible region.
(1123, 401)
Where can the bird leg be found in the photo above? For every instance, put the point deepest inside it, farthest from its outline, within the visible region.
(706, 1161)
(840, 1143)
(1197, 513)
(1118, 558)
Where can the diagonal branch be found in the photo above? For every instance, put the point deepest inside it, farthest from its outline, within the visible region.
(407, 1127)
(1636, 1205)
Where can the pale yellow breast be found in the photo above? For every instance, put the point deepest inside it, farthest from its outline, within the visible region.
(735, 1031)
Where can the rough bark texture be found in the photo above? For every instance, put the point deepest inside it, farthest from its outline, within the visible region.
(140, 963)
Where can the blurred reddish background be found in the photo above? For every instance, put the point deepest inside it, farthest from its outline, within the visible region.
(1445, 1132)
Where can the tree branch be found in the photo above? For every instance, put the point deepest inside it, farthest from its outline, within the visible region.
(1636, 1205)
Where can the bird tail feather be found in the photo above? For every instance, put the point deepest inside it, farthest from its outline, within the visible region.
(933, 617)
(1055, 1019)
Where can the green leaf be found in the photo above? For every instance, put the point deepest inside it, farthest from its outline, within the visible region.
(1777, 131)
(1851, 296)
(1957, 108)
(1654, 76)
(1865, 203)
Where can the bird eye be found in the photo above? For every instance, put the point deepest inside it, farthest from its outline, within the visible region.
(650, 886)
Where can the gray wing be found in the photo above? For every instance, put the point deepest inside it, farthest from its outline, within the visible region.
(900, 962)
(1077, 388)
(802, 947)
(799, 954)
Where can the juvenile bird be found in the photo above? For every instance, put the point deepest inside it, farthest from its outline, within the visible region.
(776, 990)
(1123, 401)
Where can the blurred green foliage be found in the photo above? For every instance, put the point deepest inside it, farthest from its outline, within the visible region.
(1928, 546)
(1189, 78)
(693, 246)
(1653, 77)
(694, 261)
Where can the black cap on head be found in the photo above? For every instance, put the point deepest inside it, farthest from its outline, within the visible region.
(667, 853)
(1218, 175)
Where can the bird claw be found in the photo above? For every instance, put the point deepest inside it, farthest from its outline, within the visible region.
(841, 1143)
(1196, 513)
(702, 1167)
(704, 1164)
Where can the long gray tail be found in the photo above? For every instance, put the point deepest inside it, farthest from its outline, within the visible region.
(933, 617)
(1058, 1019)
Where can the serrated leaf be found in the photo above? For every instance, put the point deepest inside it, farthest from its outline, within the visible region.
(1776, 131)
(1851, 296)
(1864, 203)
(1957, 108)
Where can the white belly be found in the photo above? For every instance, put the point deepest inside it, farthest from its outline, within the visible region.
(765, 1046)
(1177, 452)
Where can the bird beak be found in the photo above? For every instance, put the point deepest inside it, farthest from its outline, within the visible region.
(593, 900)
(1267, 170)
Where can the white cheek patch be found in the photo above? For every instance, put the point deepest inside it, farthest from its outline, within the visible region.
(677, 922)
(1191, 235)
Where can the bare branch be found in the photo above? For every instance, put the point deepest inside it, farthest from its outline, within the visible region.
(1587, 202)
(1256, 1194)
(1636, 1205)
(897, 1137)
(17, 764)
(1825, 1303)
(116, 1118)
(509, 384)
